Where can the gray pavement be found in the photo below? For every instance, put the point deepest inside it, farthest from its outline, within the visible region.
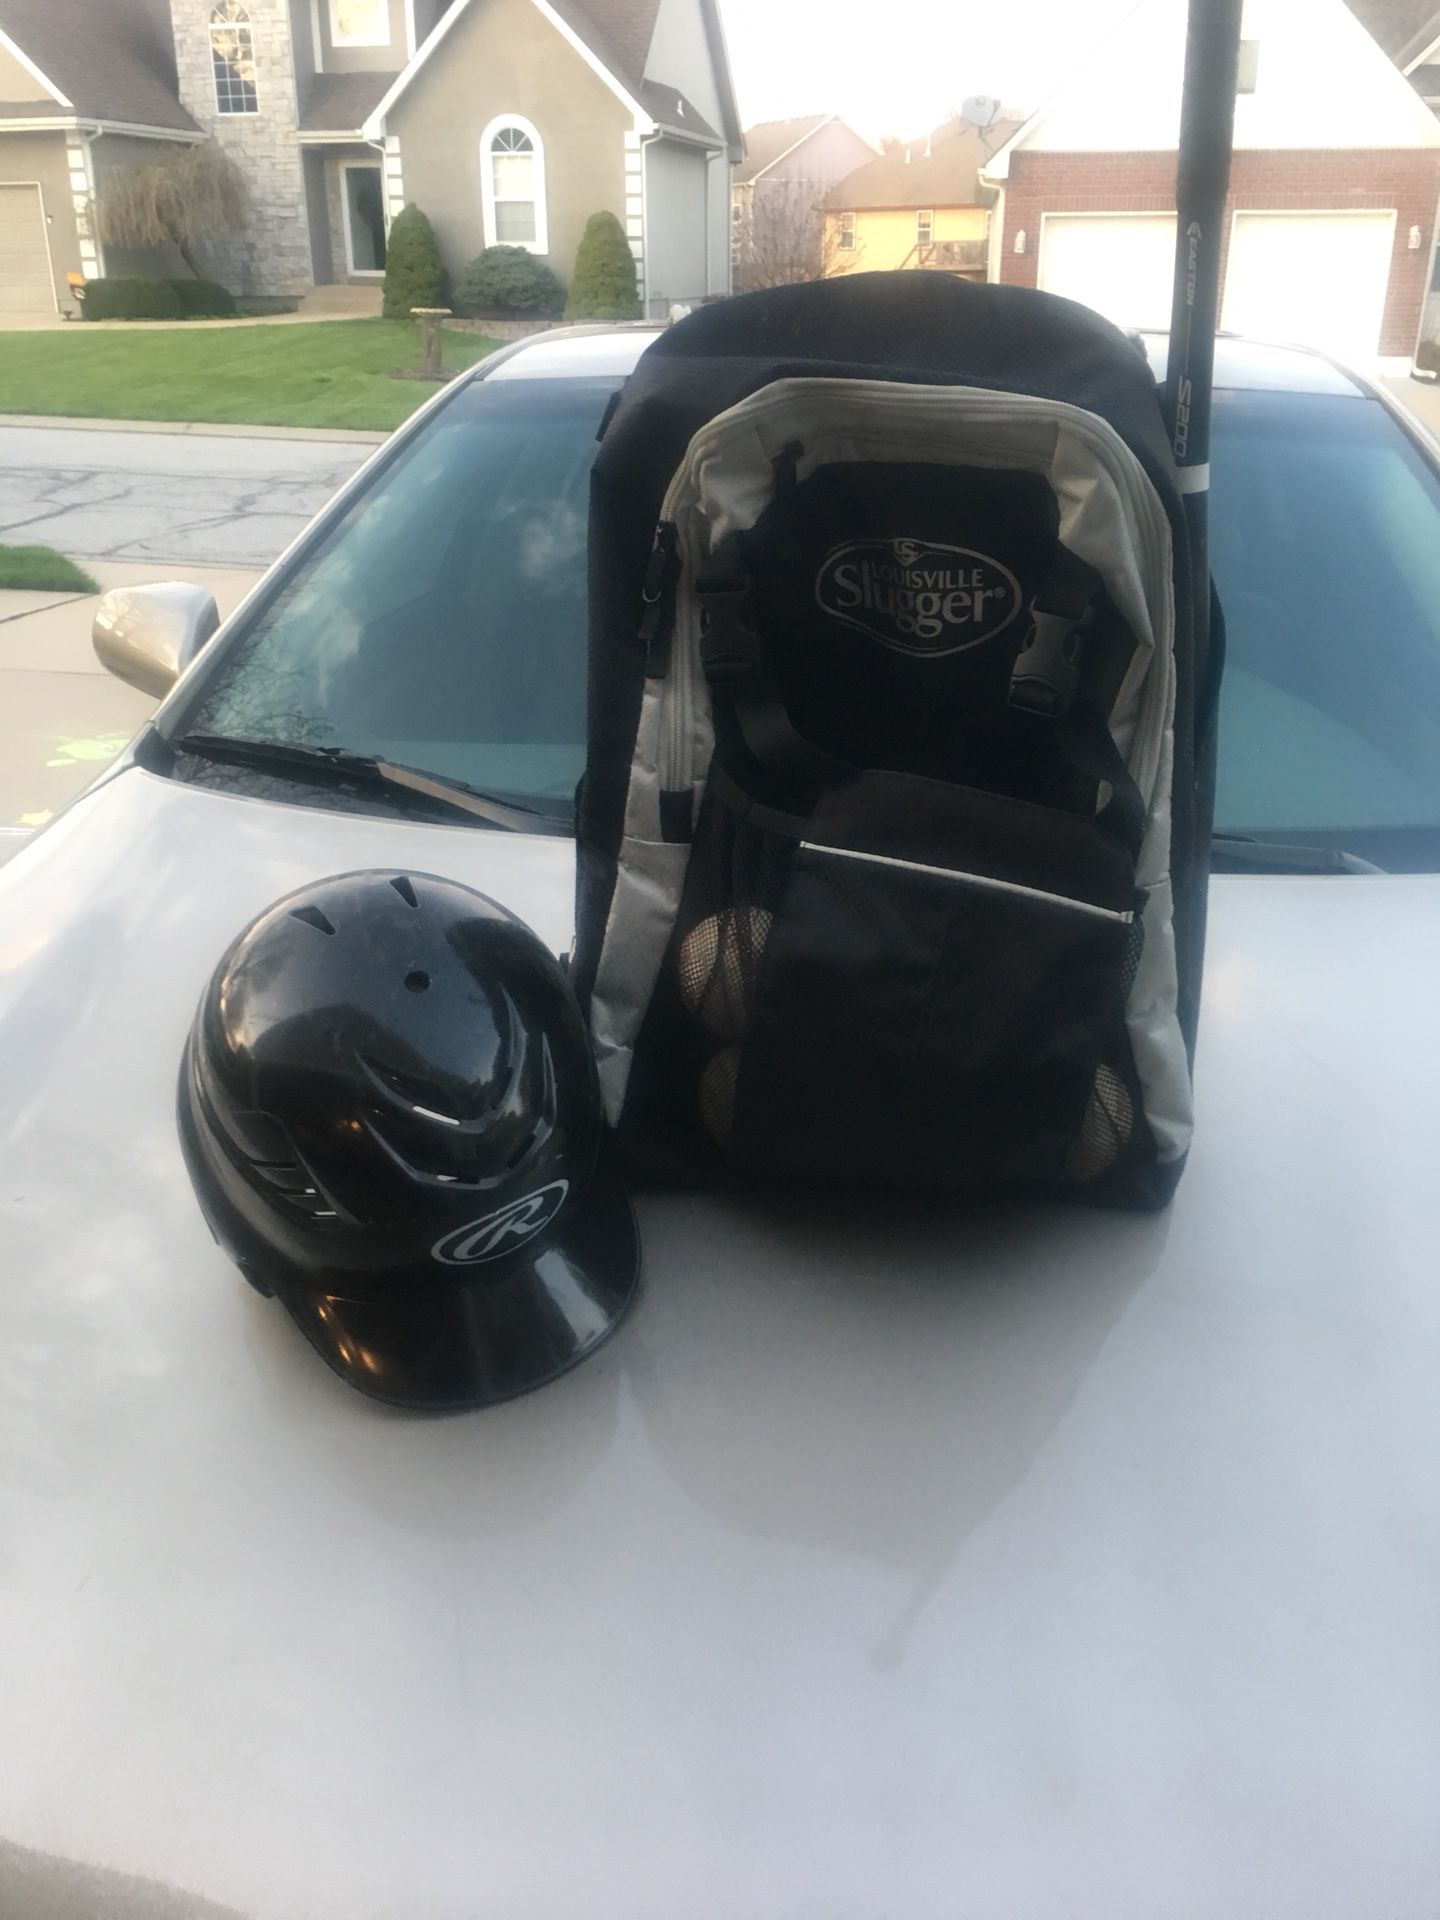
(1420, 398)
(201, 499)
(63, 718)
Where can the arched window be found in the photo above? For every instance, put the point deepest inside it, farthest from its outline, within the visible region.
(232, 55)
(512, 184)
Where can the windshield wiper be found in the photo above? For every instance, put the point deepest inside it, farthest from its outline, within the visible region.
(336, 764)
(1248, 851)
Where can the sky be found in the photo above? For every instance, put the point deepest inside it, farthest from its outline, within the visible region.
(900, 66)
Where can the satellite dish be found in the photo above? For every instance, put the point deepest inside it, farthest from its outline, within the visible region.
(982, 110)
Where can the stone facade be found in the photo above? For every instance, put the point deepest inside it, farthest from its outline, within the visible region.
(273, 256)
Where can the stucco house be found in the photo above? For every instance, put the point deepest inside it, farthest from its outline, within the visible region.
(506, 120)
(779, 187)
(917, 204)
(1336, 180)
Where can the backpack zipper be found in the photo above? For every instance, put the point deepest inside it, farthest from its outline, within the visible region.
(944, 410)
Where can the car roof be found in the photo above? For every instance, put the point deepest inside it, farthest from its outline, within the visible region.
(571, 353)
(1253, 365)
(1261, 366)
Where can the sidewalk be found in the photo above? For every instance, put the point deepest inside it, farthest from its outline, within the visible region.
(222, 430)
(321, 303)
(63, 718)
(1419, 398)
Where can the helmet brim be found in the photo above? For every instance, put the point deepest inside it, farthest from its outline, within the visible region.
(474, 1343)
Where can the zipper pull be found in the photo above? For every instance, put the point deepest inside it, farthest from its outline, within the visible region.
(658, 598)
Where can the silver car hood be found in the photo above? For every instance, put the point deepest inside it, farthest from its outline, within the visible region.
(891, 1560)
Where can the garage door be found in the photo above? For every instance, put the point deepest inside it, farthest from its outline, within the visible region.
(1319, 278)
(25, 283)
(1123, 265)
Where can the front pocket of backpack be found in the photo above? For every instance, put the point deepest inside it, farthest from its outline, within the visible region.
(942, 998)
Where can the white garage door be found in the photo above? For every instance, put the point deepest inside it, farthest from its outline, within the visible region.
(1319, 278)
(1122, 264)
(25, 283)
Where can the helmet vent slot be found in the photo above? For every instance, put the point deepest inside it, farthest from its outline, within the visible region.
(405, 887)
(313, 917)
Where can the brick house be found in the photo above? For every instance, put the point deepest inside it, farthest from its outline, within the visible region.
(506, 120)
(1330, 227)
(1409, 32)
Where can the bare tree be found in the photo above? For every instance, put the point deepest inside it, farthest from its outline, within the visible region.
(781, 235)
(190, 196)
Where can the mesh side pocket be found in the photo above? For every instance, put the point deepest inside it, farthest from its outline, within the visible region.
(735, 882)
(1114, 1114)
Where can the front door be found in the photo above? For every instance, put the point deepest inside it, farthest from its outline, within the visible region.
(364, 219)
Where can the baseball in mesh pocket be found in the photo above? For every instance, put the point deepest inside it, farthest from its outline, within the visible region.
(1109, 1121)
(736, 877)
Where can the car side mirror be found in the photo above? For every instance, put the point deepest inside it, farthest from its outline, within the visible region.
(147, 636)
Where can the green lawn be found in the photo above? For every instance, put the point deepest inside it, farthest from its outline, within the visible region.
(42, 570)
(325, 373)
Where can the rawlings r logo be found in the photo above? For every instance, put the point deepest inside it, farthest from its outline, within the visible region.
(501, 1232)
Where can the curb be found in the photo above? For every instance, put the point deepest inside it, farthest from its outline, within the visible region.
(224, 430)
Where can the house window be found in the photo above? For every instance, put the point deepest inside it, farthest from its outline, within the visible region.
(1249, 66)
(512, 184)
(847, 232)
(924, 228)
(232, 55)
(360, 23)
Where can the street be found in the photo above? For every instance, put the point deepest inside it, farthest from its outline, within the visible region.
(210, 499)
(132, 506)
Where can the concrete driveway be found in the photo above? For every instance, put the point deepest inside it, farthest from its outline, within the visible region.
(202, 498)
(215, 507)
(63, 718)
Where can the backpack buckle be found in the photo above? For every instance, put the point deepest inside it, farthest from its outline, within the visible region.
(1046, 677)
(729, 646)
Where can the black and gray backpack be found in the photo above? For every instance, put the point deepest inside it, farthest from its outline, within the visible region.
(894, 831)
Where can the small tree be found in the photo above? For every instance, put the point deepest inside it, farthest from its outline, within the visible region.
(602, 286)
(415, 273)
(782, 235)
(190, 196)
(508, 280)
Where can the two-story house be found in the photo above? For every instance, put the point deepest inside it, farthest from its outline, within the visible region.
(1408, 31)
(1328, 232)
(506, 120)
(779, 191)
(917, 204)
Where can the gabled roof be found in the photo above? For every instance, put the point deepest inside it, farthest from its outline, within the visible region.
(670, 108)
(939, 171)
(1405, 29)
(341, 102)
(770, 140)
(110, 60)
(616, 35)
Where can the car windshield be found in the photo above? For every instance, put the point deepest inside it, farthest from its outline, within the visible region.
(1326, 551)
(441, 622)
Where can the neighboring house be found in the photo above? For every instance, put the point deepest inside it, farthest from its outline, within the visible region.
(1409, 32)
(778, 192)
(917, 205)
(1336, 179)
(506, 120)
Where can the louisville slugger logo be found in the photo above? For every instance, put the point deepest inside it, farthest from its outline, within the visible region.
(504, 1230)
(918, 596)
